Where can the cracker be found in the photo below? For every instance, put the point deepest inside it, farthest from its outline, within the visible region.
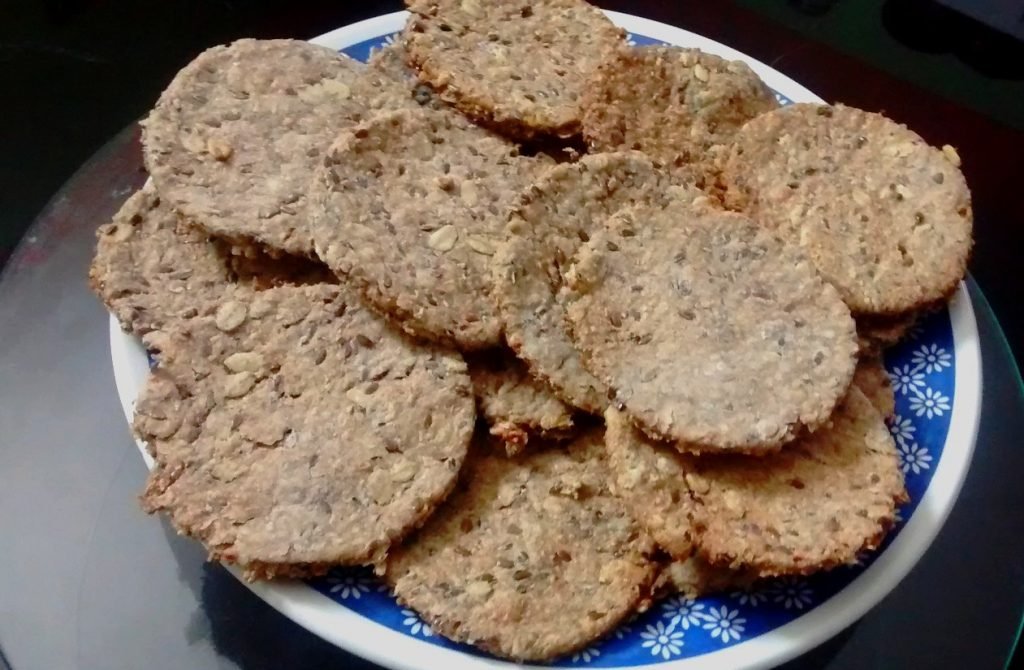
(233, 140)
(694, 577)
(710, 331)
(814, 505)
(296, 431)
(873, 381)
(520, 67)
(531, 558)
(388, 66)
(674, 104)
(514, 404)
(150, 269)
(884, 217)
(552, 219)
(650, 481)
(410, 206)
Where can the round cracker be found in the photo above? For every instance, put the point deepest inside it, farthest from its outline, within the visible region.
(815, 505)
(410, 205)
(296, 431)
(672, 103)
(531, 558)
(521, 67)
(153, 270)
(150, 269)
(710, 331)
(884, 217)
(513, 403)
(234, 139)
(552, 219)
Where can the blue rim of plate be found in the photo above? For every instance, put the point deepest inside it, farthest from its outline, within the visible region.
(751, 629)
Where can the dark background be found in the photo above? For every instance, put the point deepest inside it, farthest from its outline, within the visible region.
(75, 73)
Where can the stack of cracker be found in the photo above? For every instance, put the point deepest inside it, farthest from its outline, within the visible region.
(670, 343)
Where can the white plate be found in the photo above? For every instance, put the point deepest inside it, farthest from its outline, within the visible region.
(937, 375)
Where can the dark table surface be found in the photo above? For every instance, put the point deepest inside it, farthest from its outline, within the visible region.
(89, 582)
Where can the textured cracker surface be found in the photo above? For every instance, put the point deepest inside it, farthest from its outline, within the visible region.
(411, 205)
(694, 577)
(530, 558)
(234, 138)
(873, 381)
(551, 221)
(296, 431)
(150, 269)
(710, 331)
(885, 218)
(514, 404)
(519, 66)
(673, 104)
(153, 270)
(650, 480)
(814, 505)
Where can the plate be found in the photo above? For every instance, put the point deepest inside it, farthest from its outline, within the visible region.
(936, 374)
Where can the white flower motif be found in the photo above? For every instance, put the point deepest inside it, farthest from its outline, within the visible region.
(914, 458)
(349, 586)
(793, 593)
(390, 39)
(416, 625)
(930, 403)
(683, 611)
(902, 429)
(897, 515)
(932, 358)
(662, 641)
(906, 379)
(750, 596)
(587, 655)
(783, 100)
(725, 624)
(631, 39)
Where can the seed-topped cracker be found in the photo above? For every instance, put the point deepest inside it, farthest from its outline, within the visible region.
(296, 431)
(233, 141)
(150, 268)
(885, 218)
(153, 270)
(411, 206)
(530, 558)
(552, 219)
(814, 505)
(709, 330)
(521, 67)
(674, 104)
